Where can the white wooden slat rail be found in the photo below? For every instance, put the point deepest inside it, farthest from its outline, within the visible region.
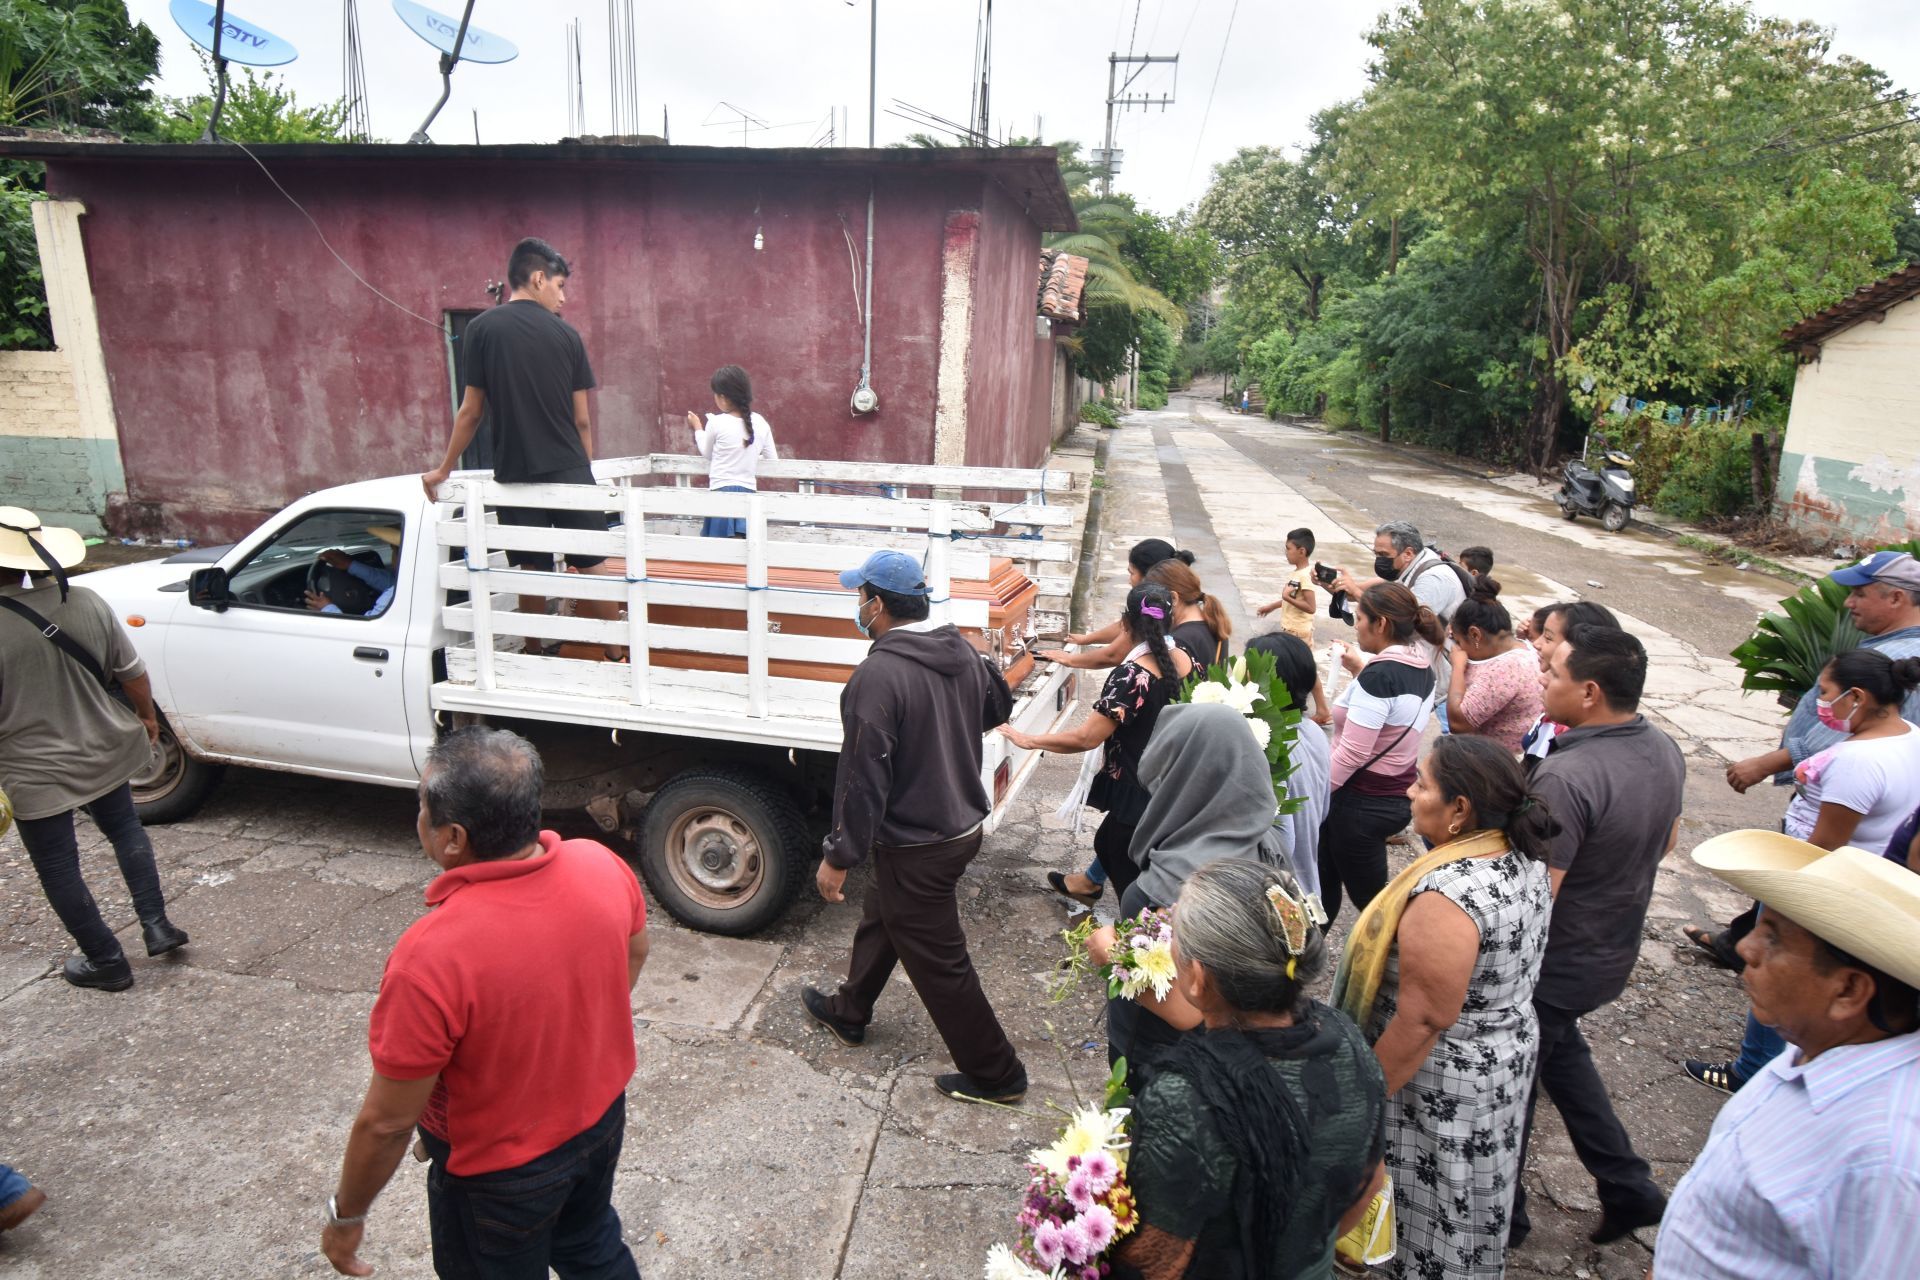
(785, 531)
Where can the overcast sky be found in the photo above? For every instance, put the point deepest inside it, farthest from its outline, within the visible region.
(790, 62)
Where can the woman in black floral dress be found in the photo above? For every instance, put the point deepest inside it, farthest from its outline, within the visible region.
(1132, 699)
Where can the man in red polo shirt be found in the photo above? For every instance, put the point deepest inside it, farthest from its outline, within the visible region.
(504, 1031)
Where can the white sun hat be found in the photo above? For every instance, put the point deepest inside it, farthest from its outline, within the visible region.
(1866, 905)
(21, 532)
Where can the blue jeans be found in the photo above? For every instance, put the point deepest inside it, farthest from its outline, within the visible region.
(1761, 1046)
(56, 860)
(12, 1185)
(555, 1210)
(1095, 872)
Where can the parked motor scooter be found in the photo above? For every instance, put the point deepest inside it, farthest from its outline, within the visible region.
(1606, 493)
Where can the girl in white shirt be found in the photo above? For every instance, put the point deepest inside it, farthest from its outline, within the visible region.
(733, 441)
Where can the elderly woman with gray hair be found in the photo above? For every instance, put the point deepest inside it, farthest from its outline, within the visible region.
(1259, 1140)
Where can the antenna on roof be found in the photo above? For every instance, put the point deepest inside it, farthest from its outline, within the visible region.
(353, 74)
(623, 83)
(228, 39)
(457, 42)
(747, 122)
(576, 84)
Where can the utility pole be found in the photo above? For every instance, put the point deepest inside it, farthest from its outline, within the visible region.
(1107, 157)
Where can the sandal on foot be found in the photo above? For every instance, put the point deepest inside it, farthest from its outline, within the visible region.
(1058, 883)
(1715, 946)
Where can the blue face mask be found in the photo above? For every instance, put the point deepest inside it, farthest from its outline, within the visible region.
(860, 618)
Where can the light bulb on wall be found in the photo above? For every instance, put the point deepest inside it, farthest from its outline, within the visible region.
(759, 241)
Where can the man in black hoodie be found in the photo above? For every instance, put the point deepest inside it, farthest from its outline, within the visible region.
(909, 792)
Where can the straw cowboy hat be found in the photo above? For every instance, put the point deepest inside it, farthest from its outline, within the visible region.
(1867, 906)
(25, 543)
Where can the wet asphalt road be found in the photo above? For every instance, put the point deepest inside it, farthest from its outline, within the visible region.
(1690, 607)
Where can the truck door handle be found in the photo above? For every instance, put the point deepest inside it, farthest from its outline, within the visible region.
(367, 653)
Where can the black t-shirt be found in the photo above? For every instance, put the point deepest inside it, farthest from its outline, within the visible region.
(529, 362)
(1201, 644)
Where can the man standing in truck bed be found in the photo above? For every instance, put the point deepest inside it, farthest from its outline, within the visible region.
(528, 369)
(909, 793)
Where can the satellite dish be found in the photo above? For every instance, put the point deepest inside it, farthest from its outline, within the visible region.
(239, 41)
(439, 31)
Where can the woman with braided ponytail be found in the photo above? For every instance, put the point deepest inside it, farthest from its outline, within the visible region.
(1123, 717)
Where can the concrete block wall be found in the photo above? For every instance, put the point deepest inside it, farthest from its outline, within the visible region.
(46, 463)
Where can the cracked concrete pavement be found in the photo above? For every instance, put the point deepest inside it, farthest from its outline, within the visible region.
(194, 1125)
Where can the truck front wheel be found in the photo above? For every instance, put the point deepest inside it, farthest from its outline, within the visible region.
(723, 851)
(175, 785)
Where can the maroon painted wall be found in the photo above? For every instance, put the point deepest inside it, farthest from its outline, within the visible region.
(248, 367)
(1000, 430)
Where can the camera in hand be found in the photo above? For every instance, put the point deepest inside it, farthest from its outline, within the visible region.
(1337, 606)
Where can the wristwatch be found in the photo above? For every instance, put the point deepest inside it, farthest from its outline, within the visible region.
(333, 1215)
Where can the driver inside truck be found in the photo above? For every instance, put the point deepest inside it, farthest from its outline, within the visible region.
(377, 578)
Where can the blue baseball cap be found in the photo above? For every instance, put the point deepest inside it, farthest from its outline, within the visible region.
(893, 571)
(1890, 568)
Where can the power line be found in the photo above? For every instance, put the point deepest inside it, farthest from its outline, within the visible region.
(1191, 15)
(1224, 44)
(327, 244)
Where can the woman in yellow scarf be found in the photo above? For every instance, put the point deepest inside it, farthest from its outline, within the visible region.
(1439, 972)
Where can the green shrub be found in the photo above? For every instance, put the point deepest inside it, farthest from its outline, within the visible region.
(1099, 411)
(1695, 471)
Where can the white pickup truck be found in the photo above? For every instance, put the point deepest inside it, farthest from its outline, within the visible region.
(721, 779)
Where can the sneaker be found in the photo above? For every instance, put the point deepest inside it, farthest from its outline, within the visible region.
(1714, 1075)
(819, 1007)
(962, 1087)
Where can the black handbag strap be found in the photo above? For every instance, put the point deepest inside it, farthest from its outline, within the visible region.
(67, 644)
(1404, 731)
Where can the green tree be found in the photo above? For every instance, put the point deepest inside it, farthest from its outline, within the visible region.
(75, 63)
(1281, 232)
(1625, 139)
(259, 108)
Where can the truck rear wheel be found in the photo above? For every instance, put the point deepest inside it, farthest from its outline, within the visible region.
(175, 785)
(723, 851)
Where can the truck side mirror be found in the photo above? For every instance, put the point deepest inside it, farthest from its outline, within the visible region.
(207, 589)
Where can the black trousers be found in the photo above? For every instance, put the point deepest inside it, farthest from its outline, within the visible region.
(912, 918)
(1568, 1075)
(1110, 843)
(56, 860)
(1353, 846)
(555, 1210)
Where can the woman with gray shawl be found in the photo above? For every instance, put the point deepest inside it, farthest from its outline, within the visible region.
(1210, 797)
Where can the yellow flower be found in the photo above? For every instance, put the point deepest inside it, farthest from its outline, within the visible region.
(1090, 1130)
(1155, 964)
